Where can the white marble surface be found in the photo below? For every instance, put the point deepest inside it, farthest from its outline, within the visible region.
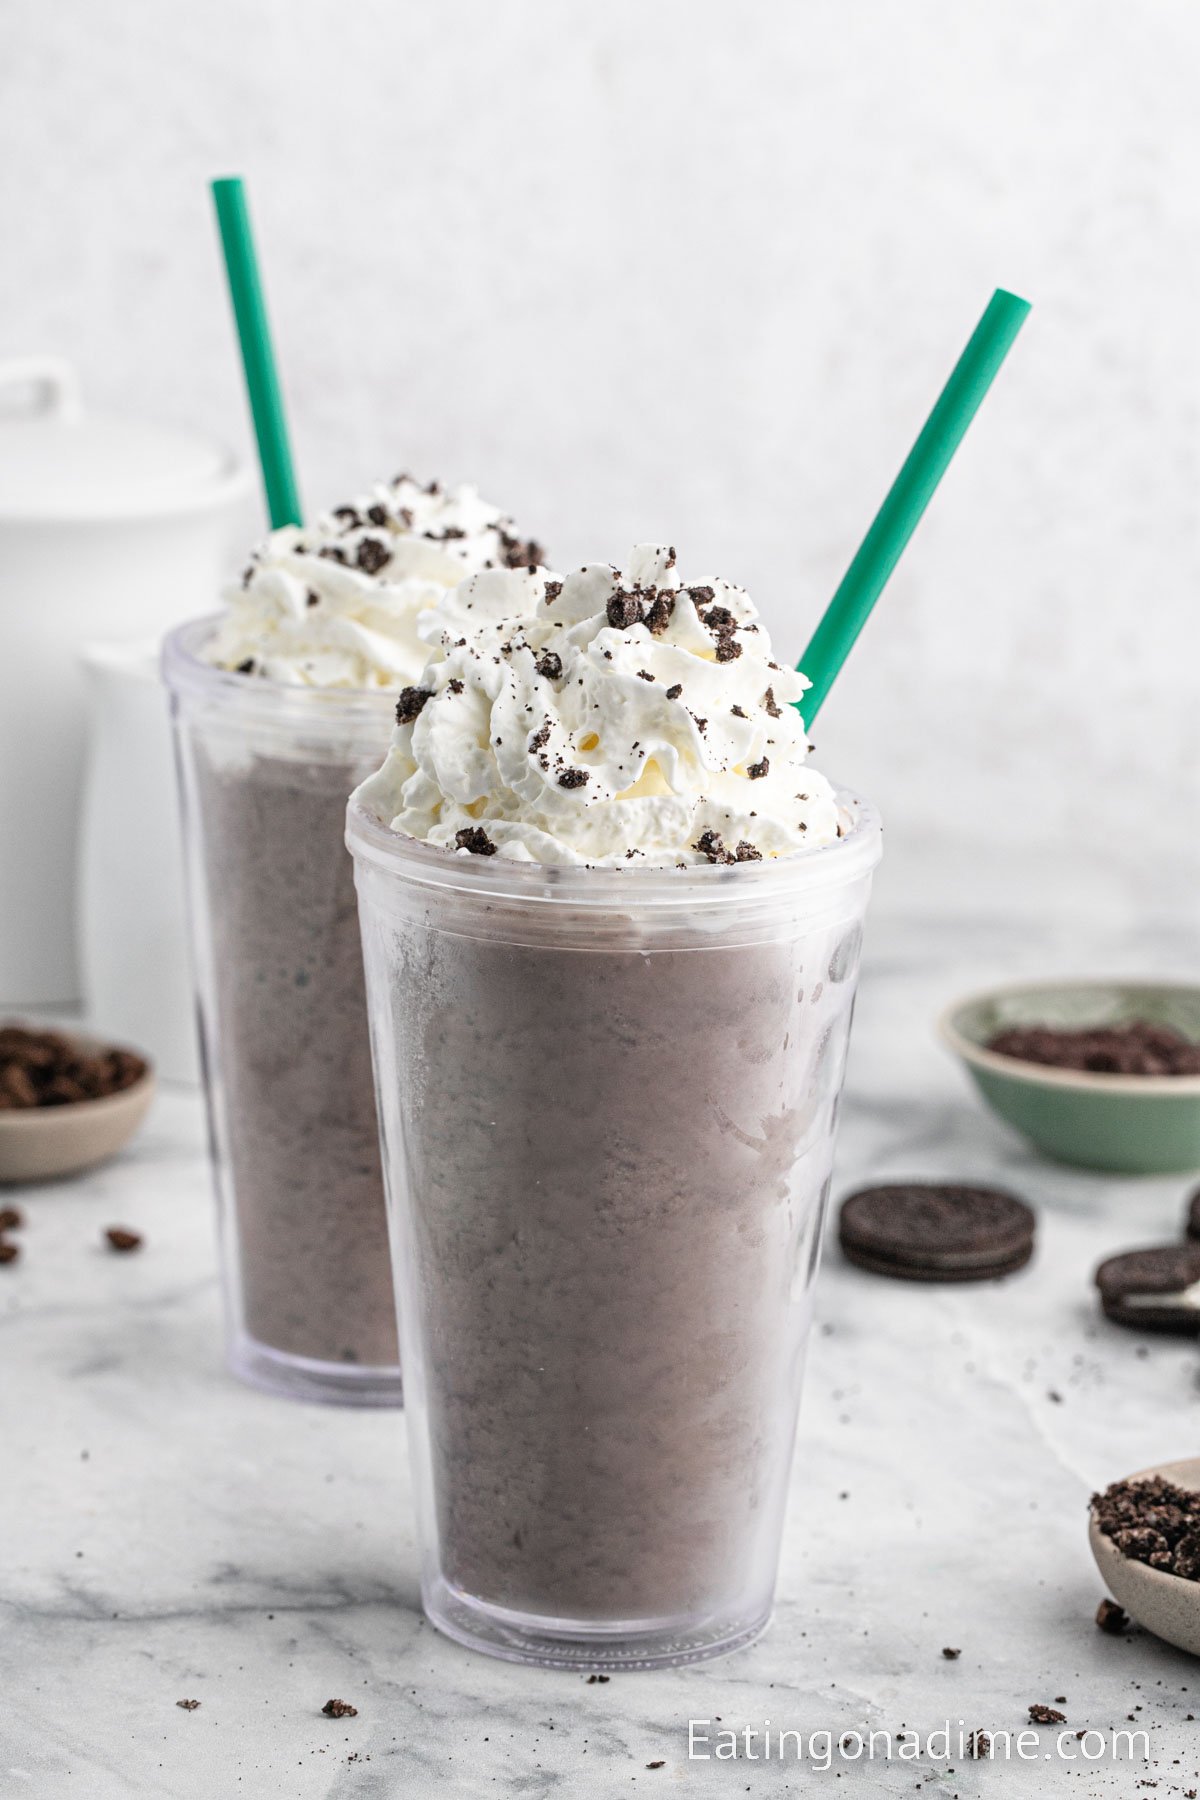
(169, 1534)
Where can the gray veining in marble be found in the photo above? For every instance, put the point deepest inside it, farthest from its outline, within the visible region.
(169, 1534)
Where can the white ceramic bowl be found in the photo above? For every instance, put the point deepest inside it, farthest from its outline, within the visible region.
(1165, 1604)
(39, 1143)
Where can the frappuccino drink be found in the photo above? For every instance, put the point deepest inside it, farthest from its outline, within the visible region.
(611, 921)
(281, 704)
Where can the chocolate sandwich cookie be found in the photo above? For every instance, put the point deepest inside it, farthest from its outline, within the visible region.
(1151, 1289)
(936, 1231)
(1192, 1224)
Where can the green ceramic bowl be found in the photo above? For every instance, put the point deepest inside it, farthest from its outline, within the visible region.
(1133, 1124)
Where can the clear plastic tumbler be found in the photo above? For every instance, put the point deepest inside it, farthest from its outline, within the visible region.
(608, 1101)
(265, 770)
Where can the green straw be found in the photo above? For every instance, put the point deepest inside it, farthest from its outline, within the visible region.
(258, 358)
(910, 494)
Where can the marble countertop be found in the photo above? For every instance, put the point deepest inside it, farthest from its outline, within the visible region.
(169, 1534)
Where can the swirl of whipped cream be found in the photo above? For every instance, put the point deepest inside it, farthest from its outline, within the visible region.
(602, 718)
(335, 603)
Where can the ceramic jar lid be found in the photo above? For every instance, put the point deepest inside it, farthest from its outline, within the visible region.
(59, 462)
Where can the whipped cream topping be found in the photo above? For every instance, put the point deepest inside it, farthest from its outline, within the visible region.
(335, 603)
(602, 718)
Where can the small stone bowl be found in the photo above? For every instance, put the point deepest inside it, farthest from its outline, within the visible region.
(1164, 1604)
(1127, 1124)
(40, 1143)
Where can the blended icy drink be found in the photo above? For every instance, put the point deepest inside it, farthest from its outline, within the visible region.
(611, 921)
(281, 705)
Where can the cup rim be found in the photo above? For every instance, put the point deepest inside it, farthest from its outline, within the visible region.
(602, 885)
(184, 672)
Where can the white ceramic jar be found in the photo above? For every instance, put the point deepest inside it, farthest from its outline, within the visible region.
(108, 529)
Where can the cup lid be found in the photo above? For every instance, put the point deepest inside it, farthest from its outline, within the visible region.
(58, 461)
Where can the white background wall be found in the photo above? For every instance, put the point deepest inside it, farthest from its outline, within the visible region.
(691, 269)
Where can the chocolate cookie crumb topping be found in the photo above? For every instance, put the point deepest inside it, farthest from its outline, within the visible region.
(552, 590)
(645, 675)
(746, 852)
(373, 555)
(737, 712)
(475, 839)
(757, 770)
(950, 1654)
(659, 615)
(455, 685)
(674, 692)
(699, 596)
(411, 704)
(768, 701)
(549, 665)
(522, 553)
(348, 516)
(1045, 1715)
(624, 610)
(9, 1252)
(573, 778)
(979, 1745)
(377, 515)
(247, 667)
(188, 1705)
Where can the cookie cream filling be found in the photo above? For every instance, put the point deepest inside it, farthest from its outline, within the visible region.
(335, 604)
(605, 717)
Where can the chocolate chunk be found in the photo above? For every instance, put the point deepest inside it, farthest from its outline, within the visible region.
(923, 1231)
(757, 770)
(674, 692)
(573, 778)
(1138, 1048)
(549, 665)
(1152, 1521)
(120, 1239)
(521, 553)
(475, 839)
(624, 610)
(47, 1068)
(1112, 1618)
(372, 555)
(712, 845)
(768, 701)
(551, 592)
(660, 612)
(339, 1709)
(411, 704)
(1045, 1715)
(1144, 1289)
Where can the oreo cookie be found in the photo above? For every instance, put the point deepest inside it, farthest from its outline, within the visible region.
(1149, 1289)
(936, 1231)
(1192, 1223)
